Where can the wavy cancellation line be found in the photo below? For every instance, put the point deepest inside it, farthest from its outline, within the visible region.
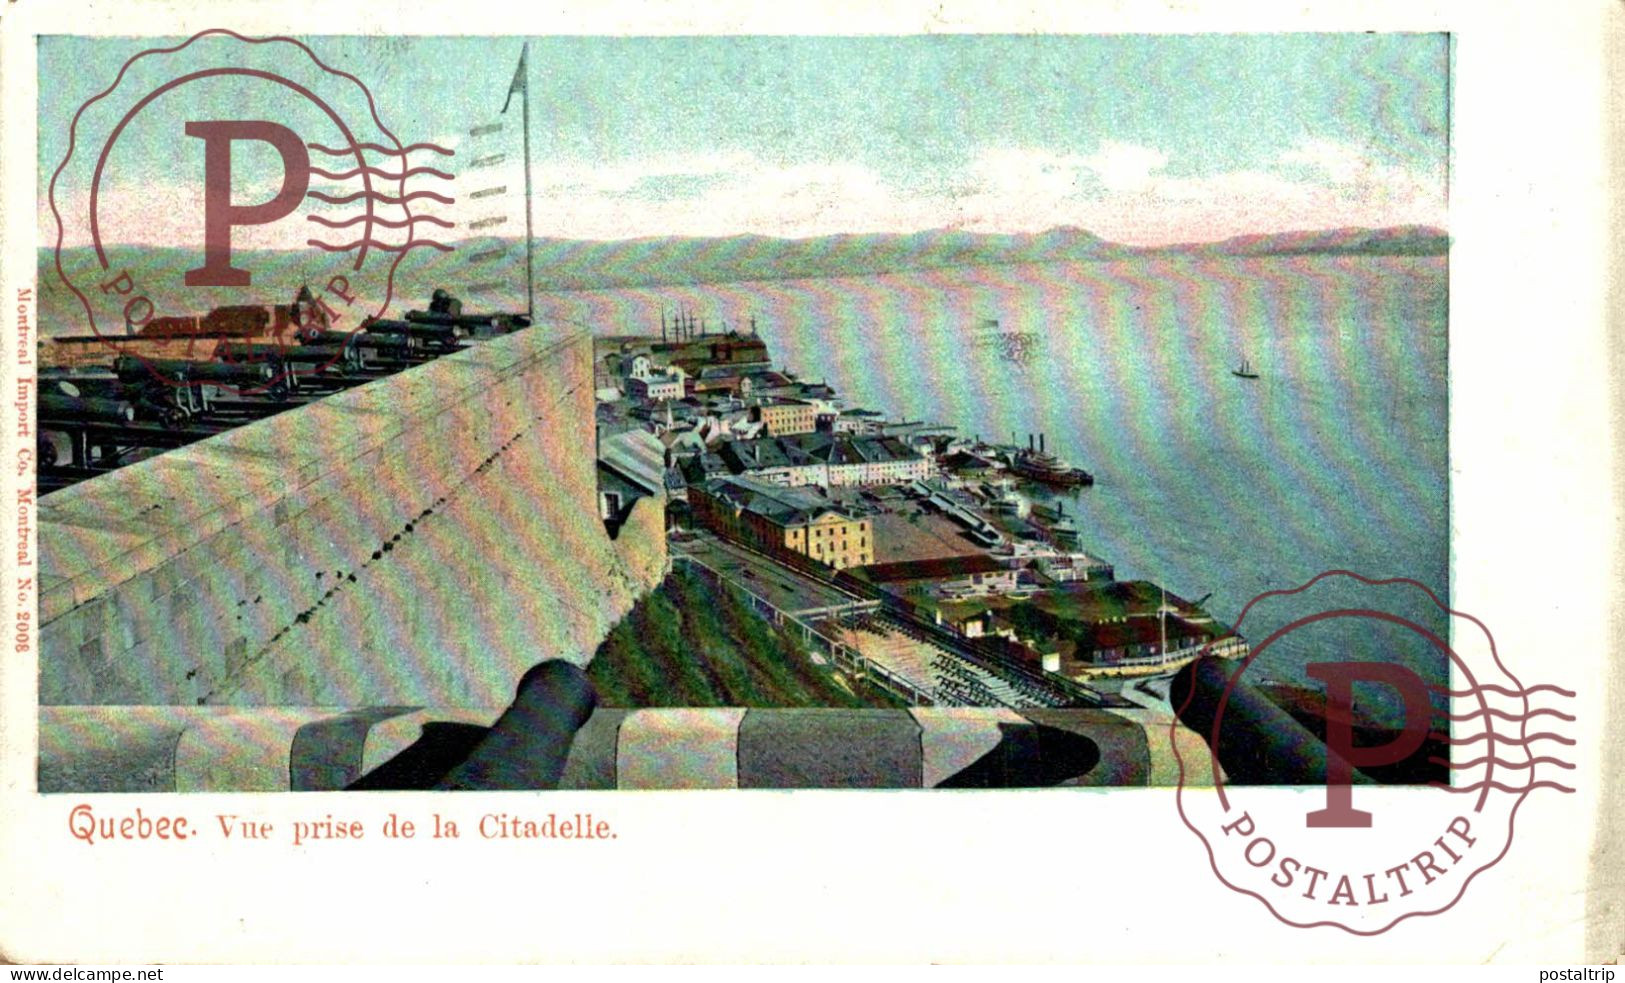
(374, 244)
(386, 223)
(379, 173)
(1497, 786)
(1501, 690)
(378, 149)
(1509, 741)
(1501, 763)
(1515, 717)
(379, 197)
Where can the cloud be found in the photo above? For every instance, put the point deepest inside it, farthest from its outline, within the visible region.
(1362, 174)
(626, 175)
(1126, 167)
(1025, 172)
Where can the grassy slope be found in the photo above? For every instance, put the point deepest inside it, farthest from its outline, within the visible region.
(690, 644)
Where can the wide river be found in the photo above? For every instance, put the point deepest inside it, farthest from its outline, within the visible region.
(1335, 457)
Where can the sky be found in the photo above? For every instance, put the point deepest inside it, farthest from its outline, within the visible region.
(1140, 139)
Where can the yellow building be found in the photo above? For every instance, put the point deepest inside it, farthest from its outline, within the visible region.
(772, 518)
(788, 416)
(834, 539)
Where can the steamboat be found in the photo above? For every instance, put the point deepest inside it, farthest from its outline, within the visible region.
(1037, 464)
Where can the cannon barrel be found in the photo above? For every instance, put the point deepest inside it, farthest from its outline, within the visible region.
(501, 323)
(384, 342)
(431, 332)
(108, 386)
(183, 370)
(84, 409)
(251, 353)
(1258, 743)
(529, 744)
(454, 320)
(331, 338)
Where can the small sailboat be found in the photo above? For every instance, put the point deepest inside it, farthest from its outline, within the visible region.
(1244, 370)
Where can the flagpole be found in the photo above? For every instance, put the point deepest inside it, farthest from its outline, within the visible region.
(530, 237)
(1162, 624)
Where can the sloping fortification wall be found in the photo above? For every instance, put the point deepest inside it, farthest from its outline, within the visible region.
(419, 540)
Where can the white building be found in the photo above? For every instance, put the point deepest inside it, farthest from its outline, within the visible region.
(874, 461)
(644, 382)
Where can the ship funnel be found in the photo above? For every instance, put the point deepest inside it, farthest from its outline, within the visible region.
(1040, 443)
(1029, 443)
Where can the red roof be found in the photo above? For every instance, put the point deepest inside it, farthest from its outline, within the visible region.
(937, 569)
(1137, 630)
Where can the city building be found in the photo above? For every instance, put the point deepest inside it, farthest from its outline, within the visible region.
(857, 421)
(778, 519)
(644, 381)
(829, 460)
(1136, 640)
(703, 467)
(676, 484)
(868, 460)
(972, 575)
(733, 351)
(631, 466)
(785, 417)
(730, 385)
(1072, 567)
(773, 461)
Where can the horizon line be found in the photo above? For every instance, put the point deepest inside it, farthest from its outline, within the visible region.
(1420, 229)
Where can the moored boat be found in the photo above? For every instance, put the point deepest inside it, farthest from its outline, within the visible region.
(1037, 464)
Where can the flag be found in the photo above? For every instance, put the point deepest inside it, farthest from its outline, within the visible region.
(520, 74)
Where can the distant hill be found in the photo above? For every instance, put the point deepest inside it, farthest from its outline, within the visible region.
(752, 257)
(575, 264)
(569, 264)
(1404, 240)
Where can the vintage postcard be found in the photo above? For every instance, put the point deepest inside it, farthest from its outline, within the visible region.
(921, 452)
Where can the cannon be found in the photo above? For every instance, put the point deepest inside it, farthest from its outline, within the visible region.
(183, 370)
(383, 341)
(343, 357)
(529, 745)
(1257, 742)
(194, 386)
(480, 325)
(311, 336)
(170, 402)
(470, 321)
(246, 363)
(395, 344)
(446, 309)
(84, 409)
(442, 333)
